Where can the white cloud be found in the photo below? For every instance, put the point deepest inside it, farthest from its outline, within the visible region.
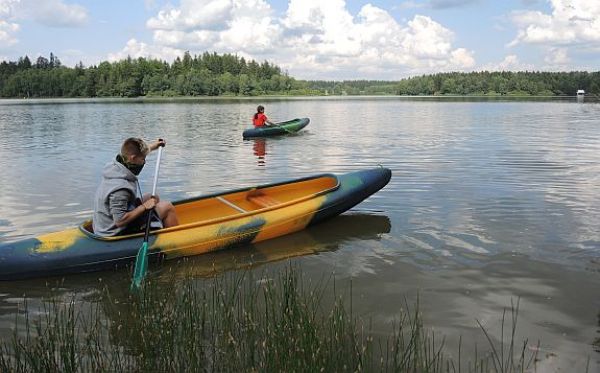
(509, 63)
(571, 22)
(6, 7)
(373, 42)
(224, 25)
(435, 4)
(207, 14)
(462, 57)
(7, 33)
(8, 28)
(188, 40)
(248, 34)
(427, 39)
(135, 49)
(312, 39)
(53, 13)
(557, 58)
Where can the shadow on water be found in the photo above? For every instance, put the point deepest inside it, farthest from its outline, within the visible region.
(327, 236)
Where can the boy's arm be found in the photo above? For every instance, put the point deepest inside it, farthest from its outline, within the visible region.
(118, 204)
(160, 142)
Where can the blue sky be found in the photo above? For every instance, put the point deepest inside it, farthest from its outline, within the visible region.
(315, 39)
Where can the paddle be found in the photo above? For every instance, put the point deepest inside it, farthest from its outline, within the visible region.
(279, 125)
(141, 261)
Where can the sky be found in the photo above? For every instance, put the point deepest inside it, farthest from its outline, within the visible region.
(314, 39)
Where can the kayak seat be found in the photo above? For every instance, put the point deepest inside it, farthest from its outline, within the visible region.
(88, 226)
(263, 200)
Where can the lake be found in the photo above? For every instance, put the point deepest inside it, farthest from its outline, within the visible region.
(490, 202)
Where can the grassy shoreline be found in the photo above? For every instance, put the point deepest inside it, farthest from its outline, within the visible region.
(238, 322)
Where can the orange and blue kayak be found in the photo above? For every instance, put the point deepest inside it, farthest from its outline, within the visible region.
(207, 223)
(281, 128)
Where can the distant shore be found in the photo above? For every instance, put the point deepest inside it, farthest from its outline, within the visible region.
(214, 75)
(266, 97)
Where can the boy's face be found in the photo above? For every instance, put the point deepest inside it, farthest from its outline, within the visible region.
(135, 163)
(137, 159)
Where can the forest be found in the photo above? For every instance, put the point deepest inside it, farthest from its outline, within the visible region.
(212, 74)
(483, 83)
(209, 74)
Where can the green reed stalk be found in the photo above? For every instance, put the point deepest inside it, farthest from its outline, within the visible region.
(235, 322)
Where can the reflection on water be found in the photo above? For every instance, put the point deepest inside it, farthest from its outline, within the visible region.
(327, 236)
(480, 187)
(260, 150)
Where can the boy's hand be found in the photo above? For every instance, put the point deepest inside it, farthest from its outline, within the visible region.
(150, 204)
(155, 145)
(147, 196)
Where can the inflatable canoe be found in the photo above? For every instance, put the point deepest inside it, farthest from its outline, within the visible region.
(207, 223)
(282, 128)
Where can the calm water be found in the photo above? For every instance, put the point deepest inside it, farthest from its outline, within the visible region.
(489, 201)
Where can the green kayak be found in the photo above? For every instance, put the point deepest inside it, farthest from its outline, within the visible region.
(282, 128)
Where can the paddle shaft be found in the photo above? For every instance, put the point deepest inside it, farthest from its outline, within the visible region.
(279, 125)
(141, 261)
(285, 129)
(156, 169)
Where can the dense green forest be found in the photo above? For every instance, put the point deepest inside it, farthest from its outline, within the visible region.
(211, 74)
(474, 83)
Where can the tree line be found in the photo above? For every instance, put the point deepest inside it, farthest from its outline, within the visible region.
(211, 74)
(474, 83)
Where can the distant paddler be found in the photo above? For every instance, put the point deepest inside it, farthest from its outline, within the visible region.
(260, 119)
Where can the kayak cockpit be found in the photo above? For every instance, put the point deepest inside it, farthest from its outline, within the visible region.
(88, 229)
(252, 200)
(226, 206)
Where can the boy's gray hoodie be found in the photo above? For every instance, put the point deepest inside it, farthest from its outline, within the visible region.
(115, 177)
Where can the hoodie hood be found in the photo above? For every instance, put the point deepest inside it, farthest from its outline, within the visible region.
(116, 170)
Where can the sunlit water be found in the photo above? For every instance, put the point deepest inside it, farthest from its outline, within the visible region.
(489, 201)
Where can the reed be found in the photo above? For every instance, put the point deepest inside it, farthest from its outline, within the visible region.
(236, 322)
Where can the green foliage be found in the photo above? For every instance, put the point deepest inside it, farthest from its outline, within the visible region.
(482, 83)
(209, 74)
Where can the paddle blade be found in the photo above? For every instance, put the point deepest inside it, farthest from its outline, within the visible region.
(141, 265)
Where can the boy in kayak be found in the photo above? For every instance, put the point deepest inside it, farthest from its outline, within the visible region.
(115, 209)
(260, 118)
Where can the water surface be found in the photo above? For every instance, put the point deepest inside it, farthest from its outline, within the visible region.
(490, 201)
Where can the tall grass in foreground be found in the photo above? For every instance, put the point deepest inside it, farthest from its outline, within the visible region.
(235, 324)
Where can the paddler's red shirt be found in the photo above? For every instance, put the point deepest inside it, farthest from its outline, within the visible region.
(259, 120)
